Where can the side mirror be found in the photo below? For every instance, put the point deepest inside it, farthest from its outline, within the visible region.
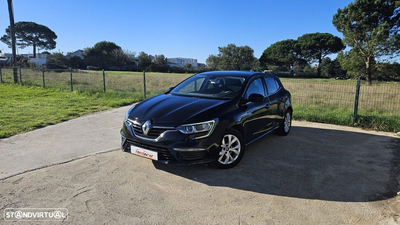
(255, 98)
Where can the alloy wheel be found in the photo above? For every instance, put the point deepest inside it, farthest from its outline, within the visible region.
(230, 149)
(287, 122)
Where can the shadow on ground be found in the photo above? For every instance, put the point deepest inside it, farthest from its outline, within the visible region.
(310, 163)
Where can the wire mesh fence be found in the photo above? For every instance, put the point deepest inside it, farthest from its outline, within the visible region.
(333, 101)
(321, 100)
(117, 81)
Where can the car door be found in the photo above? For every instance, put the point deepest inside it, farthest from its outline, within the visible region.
(255, 121)
(274, 98)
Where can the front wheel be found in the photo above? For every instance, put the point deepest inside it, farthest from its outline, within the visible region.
(286, 124)
(231, 150)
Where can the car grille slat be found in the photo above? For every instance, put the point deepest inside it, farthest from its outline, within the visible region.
(194, 155)
(153, 133)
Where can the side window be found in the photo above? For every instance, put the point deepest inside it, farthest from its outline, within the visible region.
(256, 87)
(272, 85)
(277, 84)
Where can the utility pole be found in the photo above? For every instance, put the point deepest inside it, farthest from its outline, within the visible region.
(13, 41)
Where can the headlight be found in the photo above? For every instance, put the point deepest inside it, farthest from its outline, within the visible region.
(196, 127)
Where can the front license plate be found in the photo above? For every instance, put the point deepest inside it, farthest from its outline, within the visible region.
(144, 152)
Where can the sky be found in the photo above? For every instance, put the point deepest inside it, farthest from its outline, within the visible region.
(175, 28)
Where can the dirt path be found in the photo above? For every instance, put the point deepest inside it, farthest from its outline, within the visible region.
(319, 174)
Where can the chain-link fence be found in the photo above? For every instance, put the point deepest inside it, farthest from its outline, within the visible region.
(333, 101)
(321, 100)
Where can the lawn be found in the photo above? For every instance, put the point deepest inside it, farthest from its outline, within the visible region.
(26, 108)
(317, 100)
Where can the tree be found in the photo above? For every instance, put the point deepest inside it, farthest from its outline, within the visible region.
(31, 34)
(57, 61)
(372, 27)
(282, 53)
(76, 62)
(103, 54)
(188, 66)
(159, 63)
(353, 62)
(389, 71)
(331, 68)
(144, 61)
(316, 46)
(212, 62)
(232, 57)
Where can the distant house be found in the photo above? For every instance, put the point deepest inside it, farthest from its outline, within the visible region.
(181, 62)
(41, 58)
(77, 53)
(5, 59)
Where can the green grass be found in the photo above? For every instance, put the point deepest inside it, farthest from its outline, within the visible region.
(27, 108)
(317, 100)
(332, 101)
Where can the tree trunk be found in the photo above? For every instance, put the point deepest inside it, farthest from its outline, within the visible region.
(319, 64)
(34, 50)
(13, 40)
(368, 70)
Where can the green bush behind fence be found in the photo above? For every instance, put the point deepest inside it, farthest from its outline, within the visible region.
(318, 100)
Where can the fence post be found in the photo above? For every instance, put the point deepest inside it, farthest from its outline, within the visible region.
(72, 84)
(20, 76)
(15, 73)
(44, 83)
(144, 84)
(1, 76)
(356, 102)
(104, 81)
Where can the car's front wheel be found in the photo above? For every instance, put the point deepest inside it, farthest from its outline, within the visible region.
(231, 150)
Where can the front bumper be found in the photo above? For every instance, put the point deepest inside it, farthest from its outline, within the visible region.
(174, 147)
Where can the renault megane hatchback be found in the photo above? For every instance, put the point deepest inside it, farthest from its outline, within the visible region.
(209, 117)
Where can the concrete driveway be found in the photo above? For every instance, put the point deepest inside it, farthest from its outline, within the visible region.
(98, 132)
(318, 174)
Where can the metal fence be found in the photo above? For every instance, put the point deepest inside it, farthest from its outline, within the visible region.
(82, 80)
(323, 100)
(334, 101)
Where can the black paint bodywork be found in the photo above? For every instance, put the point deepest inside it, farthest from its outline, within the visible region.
(253, 119)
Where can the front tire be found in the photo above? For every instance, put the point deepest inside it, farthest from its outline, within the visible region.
(231, 150)
(286, 124)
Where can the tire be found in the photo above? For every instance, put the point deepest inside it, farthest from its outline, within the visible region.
(286, 124)
(231, 150)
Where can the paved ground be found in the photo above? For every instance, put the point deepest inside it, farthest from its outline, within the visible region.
(59, 143)
(319, 174)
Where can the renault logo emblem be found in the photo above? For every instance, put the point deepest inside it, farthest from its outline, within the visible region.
(146, 127)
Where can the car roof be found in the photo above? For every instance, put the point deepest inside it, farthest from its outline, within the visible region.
(231, 73)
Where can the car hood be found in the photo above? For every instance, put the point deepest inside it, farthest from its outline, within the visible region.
(175, 110)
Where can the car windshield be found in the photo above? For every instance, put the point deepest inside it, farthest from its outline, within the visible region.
(210, 86)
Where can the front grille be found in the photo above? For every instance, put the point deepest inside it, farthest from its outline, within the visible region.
(163, 153)
(195, 155)
(154, 132)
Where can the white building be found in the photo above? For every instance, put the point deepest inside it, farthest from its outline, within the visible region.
(181, 62)
(41, 58)
(78, 53)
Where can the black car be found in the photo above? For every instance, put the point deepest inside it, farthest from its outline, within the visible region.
(209, 117)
